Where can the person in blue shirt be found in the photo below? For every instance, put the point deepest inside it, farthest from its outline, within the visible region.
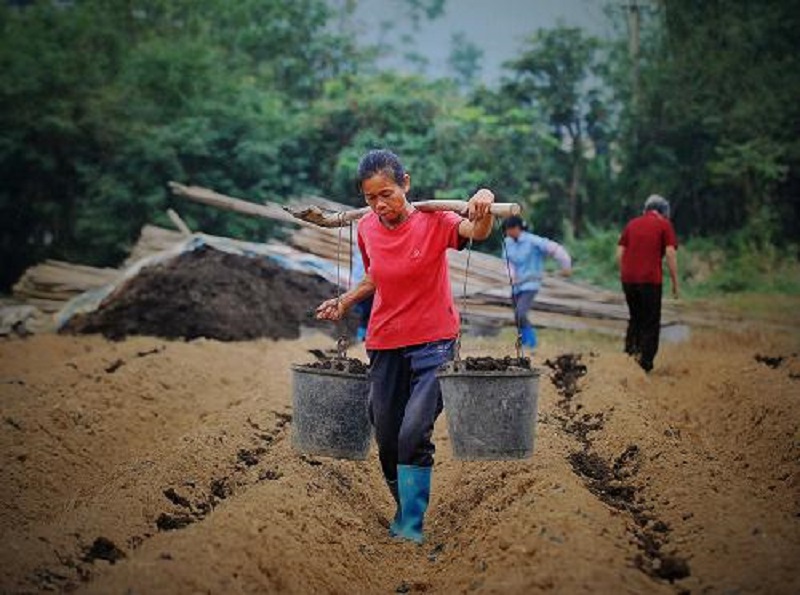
(527, 253)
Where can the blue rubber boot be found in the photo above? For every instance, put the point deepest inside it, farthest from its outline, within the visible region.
(414, 485)
(528, 336)
(394, 527)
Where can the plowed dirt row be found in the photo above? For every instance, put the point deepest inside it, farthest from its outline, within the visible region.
(151, 466)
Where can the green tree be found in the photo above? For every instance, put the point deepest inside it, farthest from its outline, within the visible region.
(450, 144)
(553, 75)
(715, 130)
(428, 9)
(102, 102)
(464, 60)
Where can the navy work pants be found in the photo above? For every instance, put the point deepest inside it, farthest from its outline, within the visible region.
(522, 303)
(405, 400)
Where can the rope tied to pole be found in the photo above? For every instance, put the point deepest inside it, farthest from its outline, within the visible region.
(342, 343)
(457, 358)
(517, 322)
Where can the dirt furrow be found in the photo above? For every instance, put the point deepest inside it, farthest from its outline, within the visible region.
(174, 473)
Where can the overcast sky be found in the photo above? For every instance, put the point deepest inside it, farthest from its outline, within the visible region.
(496, 26)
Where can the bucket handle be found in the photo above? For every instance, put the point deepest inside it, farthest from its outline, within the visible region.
(517, 322)
(342, 343)
(518, 343)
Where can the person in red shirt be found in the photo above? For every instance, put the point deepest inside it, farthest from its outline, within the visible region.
(642, 246)
(413, 326)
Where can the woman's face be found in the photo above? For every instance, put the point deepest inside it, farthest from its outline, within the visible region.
(386, 197)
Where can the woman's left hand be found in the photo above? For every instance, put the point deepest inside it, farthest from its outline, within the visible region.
(478, 206)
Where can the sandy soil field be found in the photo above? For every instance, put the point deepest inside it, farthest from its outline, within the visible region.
(151, 466)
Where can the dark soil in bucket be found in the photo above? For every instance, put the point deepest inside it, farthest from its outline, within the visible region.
(489, 364)
(213, 294)
(349, 365)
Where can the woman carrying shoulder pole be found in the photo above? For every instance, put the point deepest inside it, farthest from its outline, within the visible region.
(413, 326)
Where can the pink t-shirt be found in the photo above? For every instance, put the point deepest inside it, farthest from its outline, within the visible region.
(413, 301)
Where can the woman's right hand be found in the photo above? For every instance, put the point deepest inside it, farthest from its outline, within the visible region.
(332, 309)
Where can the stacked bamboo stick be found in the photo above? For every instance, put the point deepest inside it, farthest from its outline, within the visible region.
(50, 284)
(152, 239)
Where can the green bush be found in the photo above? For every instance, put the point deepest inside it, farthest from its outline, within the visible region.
(594, 256)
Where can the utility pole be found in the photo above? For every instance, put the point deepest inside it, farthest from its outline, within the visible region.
(633, 10)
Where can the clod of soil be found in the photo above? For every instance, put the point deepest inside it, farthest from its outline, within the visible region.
(659, 565)
(581, 426)
(627, 464)
(220, 488)
(113, 367)
(590, 465)
(673, 568)
(269, 475)
(349, 365)
(490, 364)
(611, 482)
(567, 369)
(282, 419)
(250, 457)
(608, 481)
(172, 522)
(770, 361)
(13, 423)
(103, 549)
(213, 294)
(173, 496)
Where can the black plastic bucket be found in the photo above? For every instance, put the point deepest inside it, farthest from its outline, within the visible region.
(330, 415)
(491, 416)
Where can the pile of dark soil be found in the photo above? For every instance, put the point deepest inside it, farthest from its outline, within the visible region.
(213, 294)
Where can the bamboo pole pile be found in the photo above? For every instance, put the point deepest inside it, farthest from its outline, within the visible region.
(153, 239)
(50, 284)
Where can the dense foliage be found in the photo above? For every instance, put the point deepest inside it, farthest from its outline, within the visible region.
(101, 103)
(717, 121)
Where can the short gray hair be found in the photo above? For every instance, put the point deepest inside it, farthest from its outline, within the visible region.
(658, 203)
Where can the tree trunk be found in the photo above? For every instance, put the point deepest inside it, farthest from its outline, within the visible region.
(574, 188)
